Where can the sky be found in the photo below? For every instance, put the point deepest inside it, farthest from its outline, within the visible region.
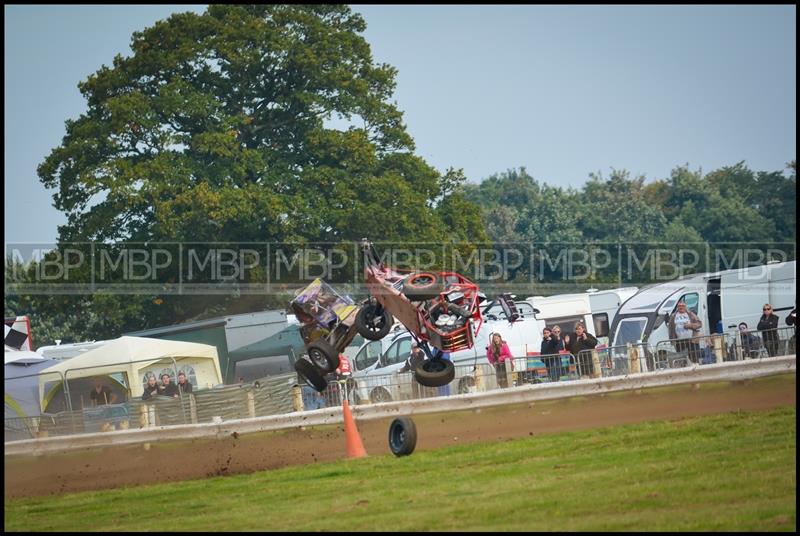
(562, 90)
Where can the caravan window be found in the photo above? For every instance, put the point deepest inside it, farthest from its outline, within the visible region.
(600, 324)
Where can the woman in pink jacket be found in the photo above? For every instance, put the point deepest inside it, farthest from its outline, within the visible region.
(498, 354)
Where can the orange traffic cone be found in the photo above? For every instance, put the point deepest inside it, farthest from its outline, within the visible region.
(355, 448)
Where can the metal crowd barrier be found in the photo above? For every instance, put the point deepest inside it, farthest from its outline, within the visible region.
(284, 394)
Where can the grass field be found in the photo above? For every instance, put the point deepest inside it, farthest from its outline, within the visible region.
(733, 471)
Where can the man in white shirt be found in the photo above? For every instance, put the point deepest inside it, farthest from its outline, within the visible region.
(684, 326)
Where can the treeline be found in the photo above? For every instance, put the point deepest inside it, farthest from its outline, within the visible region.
(731, 204)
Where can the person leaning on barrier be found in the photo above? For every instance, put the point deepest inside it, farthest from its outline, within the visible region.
(167, 388)
(751, 344)
(415, 358)
(151, 389)
(498, 354)
(579, 344)
(184, 385)
(549, 352)
(768, 325)
(684, 328)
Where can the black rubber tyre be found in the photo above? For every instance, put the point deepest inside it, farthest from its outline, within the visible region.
(373, 322)
(309, 373)
(402, 436)
(435, 372)
(422, 286)
(323, 355)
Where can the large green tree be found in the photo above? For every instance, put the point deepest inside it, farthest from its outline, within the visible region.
(215, 129)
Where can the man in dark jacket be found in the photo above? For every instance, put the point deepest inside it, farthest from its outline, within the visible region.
(578, 344)
(791, 320)
(167, 388)
(768, 325)
(549, 352)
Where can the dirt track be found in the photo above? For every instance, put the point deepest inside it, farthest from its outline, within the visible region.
(93, 469)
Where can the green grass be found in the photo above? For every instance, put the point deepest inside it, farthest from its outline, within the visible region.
(732, 471)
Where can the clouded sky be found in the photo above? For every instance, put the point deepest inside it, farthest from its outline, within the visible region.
(561, 90)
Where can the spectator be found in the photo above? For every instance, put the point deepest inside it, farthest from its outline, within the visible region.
(557, 337)
(101, 394)
(184, 385)
(751, 344)
(684, 327)
(791, 320)
(151, 389)
(768, 325)
(414, 359)
(498, 354)
(166, 388)
(579, 344)
(549, 351)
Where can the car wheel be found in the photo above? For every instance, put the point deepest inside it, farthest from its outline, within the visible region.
(435, 372)
(323, 355)
(379, 394)
(309, 373)
(373, 322)
(402, 436)
(422, 286)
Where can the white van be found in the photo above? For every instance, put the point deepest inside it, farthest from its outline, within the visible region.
(376, 361)
(596, 309)
(720, 299)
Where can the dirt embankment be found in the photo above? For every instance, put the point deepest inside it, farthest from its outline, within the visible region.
(103, 468)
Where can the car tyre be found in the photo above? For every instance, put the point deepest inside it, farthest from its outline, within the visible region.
(323, 355)
(435, 372)
(373, 322)
(379, 394)
(309, 373)
(421, 286)
(402, 436)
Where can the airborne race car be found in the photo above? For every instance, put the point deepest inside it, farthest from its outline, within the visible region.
(440, 310)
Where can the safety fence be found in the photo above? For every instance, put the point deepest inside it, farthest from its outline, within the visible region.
(283, 394)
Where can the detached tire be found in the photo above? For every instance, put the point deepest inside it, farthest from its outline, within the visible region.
(373, 322)
(422, 286)
(309, 373)
(323, 355)
(435, 372)
(402, 436)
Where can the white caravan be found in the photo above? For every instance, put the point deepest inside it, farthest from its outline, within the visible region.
(376, 361)
(596, 309)
(721, 299)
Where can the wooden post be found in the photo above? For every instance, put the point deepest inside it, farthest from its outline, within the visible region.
(738, 346)
(251, 404)
(633, 359)
(193, 408)
(144, 421)
(297, 398)
(717, 340)
(597, 373)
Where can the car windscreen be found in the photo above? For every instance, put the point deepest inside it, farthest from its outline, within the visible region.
(630, 330)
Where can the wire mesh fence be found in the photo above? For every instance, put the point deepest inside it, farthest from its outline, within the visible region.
(282, 394)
